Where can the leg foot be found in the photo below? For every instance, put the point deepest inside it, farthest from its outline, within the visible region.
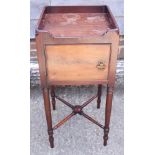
(51, 138)
(53, 97)
(105, 137)
(99, 96)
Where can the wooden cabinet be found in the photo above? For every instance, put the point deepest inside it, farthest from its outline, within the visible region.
(77, 45)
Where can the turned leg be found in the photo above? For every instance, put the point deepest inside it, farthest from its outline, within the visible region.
(108, 113)
(48, 115)
(53, 97)
(99, 93)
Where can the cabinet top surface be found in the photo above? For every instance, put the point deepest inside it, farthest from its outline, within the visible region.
(76, 21)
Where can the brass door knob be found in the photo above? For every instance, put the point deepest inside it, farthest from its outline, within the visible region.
(101, 65)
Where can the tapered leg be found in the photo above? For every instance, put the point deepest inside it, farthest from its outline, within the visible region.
(108, 113)
(53, 97)
(48, 115)
(99, 93)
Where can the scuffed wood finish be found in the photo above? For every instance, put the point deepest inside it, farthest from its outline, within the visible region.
(77, 63)
(71, 40)
(67, 24)
(64, 21)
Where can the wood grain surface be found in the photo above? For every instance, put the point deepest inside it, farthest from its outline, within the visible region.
(77, 62)
(67, 24)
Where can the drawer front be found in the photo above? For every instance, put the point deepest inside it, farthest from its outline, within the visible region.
(77, 63)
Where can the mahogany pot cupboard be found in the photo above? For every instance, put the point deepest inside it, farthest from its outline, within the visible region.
(77, 45)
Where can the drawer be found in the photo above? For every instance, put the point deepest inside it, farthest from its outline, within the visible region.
(77, 63)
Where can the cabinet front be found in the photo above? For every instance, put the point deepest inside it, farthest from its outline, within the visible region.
(83, 63)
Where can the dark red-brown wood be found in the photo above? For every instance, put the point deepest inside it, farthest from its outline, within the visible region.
(53, 97)
(99, 96)
(108, 113)
(77, 25)
(48, 115)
